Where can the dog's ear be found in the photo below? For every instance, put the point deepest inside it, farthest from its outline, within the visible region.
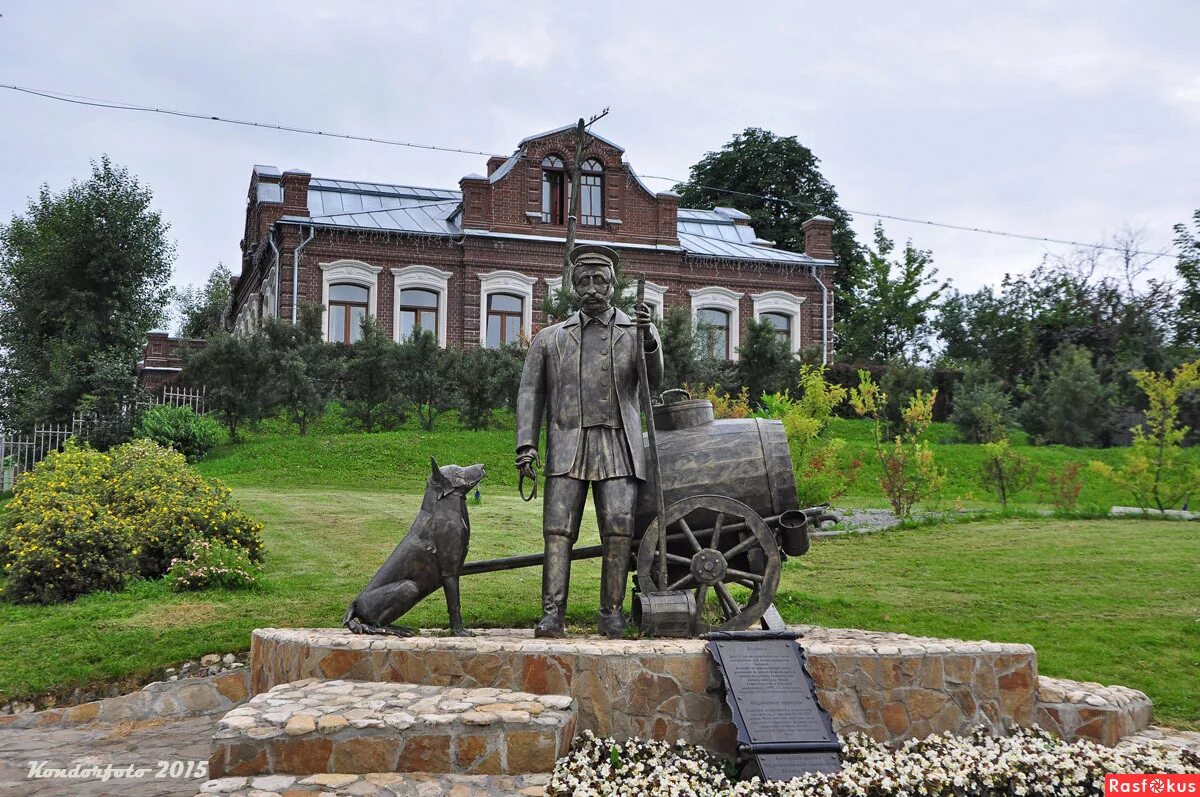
(439, 480)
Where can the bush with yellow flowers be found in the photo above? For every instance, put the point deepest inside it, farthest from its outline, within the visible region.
(58, 537)
(173, 505)
(83, 520)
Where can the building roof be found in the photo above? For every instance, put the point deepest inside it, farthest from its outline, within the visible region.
(433, 211)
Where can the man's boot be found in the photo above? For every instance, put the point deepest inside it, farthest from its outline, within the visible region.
(614, 573)
(556, 577)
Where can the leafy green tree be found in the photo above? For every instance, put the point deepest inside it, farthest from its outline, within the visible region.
(305, 369)
(1070, 406)
(373, 385)
(889, 315)
(1004, 471)
(983, 409)
(236, 373)
(83, 278)
(908, 472)
(1155, 470)
(757, 163)
(429, 376)
(487, 380)
(680, 349)
(765, 361)
(202, 309)
(1187, 322)
(903, 380)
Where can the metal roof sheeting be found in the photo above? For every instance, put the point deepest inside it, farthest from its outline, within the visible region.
(433, 211)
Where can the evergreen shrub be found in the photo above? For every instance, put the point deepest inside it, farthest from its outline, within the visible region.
(180, 428)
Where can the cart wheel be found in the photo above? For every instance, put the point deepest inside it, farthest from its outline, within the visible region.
(715, 558)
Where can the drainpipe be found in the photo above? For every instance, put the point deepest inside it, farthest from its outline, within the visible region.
(275, 249)
(824, 318)
(312, 232)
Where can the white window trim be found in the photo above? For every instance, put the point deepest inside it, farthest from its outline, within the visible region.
(783, 303)
(655, 294)
(715, 297)
(267, 291)
(355, 272)
(506, 282)
(426, 278)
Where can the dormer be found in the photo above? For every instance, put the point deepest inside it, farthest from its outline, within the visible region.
(529, 193)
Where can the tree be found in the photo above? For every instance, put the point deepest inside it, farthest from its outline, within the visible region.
(1069, 405)
(202, 308)
(236, 373)
(1004, 471)
(757, 163)
(373, 385)
(908, 473)
(487, 380)
(889, 316)
(83, 278)
(1187, 322)
(1155, 470)
(680, 353)
(983, 410)
(428, 372)
(304, 369)
(765, 361)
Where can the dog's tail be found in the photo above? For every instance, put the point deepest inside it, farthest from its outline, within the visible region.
(348, 621)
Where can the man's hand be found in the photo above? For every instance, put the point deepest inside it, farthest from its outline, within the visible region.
(641, 313)
(527, 461)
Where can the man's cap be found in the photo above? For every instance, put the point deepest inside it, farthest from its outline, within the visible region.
(594, 255)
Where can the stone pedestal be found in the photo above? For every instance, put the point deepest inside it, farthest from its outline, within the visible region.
(314, 727)
(891, 686)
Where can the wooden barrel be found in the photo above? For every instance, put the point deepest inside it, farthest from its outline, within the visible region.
(745, 459)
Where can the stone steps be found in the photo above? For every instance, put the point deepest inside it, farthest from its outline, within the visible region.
(379, 784)
(1085, 710)
(314, 727)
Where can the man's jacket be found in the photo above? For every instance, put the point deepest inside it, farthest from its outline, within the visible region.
(550, 386)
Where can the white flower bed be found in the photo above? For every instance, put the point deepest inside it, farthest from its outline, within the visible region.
(1028, 763)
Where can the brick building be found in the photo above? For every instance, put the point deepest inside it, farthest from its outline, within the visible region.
(474, 264)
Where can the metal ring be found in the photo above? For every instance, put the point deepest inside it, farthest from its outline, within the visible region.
(521, 487)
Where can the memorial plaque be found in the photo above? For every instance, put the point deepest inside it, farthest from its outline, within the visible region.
(774, 704)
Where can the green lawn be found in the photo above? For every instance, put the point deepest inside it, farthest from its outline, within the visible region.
(1114, 601)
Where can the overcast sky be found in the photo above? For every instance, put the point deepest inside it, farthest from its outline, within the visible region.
(1063, 119)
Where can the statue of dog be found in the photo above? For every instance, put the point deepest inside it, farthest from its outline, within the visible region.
(431, 555)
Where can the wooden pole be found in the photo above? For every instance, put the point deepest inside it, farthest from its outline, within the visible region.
(573, 210)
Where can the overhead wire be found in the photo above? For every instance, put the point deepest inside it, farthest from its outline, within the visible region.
(127, 106)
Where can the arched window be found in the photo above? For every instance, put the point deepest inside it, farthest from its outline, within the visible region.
(505, 312)
(347, 308)
(782, 323)
(418, 308)
(591, 193)
(553, 190)
(714, 326)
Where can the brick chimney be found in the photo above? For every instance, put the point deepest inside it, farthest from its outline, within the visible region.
(295, 192)
(667, 205)
(494, 163)
(476, 201)
(818, 237)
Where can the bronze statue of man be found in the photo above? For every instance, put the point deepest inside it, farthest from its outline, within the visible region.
(582, 375)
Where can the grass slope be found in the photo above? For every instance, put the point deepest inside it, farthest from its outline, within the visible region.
(400, 461)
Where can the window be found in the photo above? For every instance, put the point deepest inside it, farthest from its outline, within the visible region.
(782, 310)
(504, 314)
(714, 327)
(591, 193)
(782, 324)
(347, 309)
(553, 190)
(717, 309)
(418, 308)
(419, 297)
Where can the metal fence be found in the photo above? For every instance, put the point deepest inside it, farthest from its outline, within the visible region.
(20, 451)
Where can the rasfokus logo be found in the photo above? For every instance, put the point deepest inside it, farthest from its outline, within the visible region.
(1152, 784)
